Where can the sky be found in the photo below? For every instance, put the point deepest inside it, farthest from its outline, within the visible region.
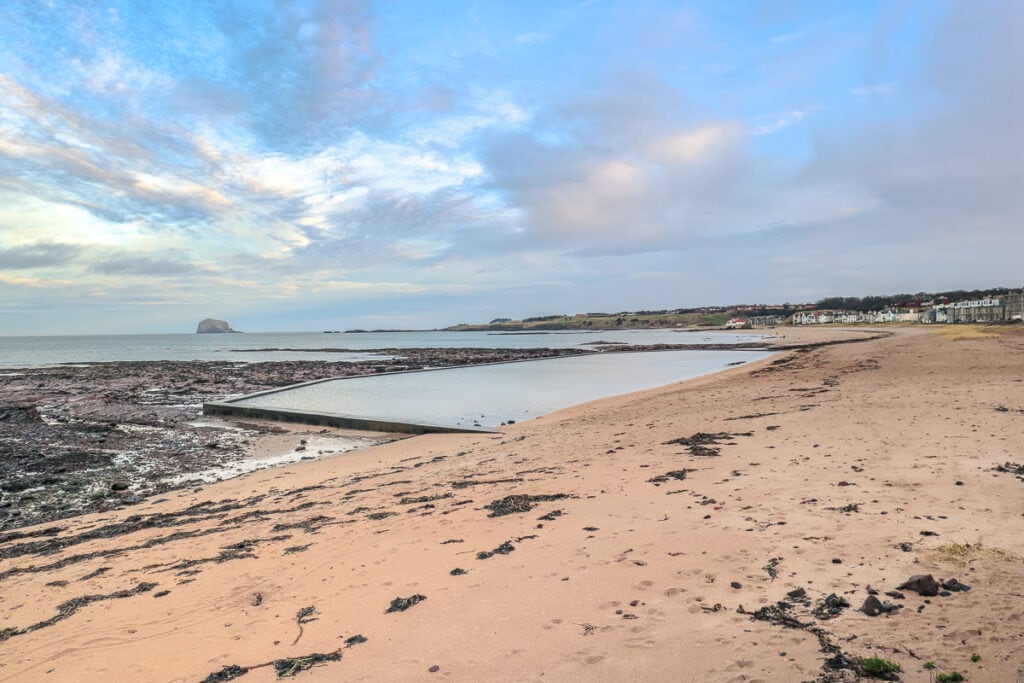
(331, 164)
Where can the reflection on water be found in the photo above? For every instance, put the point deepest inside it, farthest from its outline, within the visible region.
(486, 396)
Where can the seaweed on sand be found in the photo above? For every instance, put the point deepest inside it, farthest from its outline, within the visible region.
(68, 609)
(303, 617)
(503, 549)
(480, 482)
(678, 475)
(771, 567)
(510, 505)
(355, 640)
(286, 668)
(228, 673)
(402, 604)
(701, 443)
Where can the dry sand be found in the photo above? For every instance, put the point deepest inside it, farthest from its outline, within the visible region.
(630, 580)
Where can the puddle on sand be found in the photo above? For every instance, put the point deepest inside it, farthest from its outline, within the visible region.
(282, 449)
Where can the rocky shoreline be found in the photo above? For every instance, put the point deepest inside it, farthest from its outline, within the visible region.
(88, 438)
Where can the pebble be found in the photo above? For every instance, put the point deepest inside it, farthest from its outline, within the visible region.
(736, 584)
(434, 669)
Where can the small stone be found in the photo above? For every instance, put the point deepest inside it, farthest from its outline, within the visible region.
(434, 669)
(895, 595)
(736, 584)
(954, 585)
(797, 593)
(959, 483)
(836, 560)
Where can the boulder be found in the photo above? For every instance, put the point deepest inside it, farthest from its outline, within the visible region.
(924, 584)
(212, 326)
(872, 606)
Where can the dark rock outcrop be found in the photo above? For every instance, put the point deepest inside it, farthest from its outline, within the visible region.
(212, 326)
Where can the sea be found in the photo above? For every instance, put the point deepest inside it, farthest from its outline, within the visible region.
(24, 352)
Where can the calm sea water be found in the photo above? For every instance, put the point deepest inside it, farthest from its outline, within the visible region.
(484, 396)
(16, 352)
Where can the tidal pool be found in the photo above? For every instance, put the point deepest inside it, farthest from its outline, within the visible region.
(484, 396)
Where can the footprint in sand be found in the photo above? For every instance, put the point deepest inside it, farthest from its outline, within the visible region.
(641, 643)
(551, 624)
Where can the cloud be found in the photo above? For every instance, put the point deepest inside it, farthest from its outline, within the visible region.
(276, 153)
(593, 180)
(779, 123)
(144, 266)
(38, 255)
(531, 37)
(306, 70)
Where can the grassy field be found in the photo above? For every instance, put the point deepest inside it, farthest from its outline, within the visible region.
(608, 322)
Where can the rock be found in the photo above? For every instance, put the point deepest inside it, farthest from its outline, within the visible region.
(213, 326)
(736, 584)
(796, 594)
(923, 584)
(954, 585)
(896, 595)
(434, 669)
(872, 606)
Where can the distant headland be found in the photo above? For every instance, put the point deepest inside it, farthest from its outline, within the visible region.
(212, 326)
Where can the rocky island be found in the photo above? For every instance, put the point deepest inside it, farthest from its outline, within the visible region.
(213, 326)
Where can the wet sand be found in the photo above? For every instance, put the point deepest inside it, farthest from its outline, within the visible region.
(649, 536)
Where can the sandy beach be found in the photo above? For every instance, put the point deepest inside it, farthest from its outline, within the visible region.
(711, 530)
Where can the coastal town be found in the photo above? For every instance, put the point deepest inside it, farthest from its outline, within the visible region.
(999, 305)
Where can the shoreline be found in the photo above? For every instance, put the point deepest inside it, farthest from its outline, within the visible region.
(637, 535)
(98, 436)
